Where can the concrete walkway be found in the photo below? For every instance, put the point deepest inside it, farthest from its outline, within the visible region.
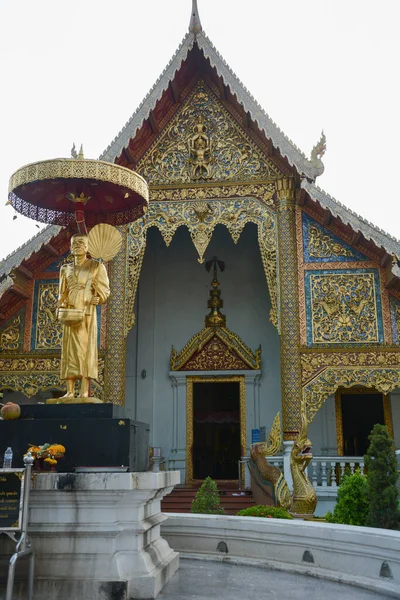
(205, 580)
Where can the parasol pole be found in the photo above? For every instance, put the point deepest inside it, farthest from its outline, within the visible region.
(80, 218)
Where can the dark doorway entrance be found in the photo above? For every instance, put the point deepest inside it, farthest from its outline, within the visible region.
(360, 412)
(216, 430)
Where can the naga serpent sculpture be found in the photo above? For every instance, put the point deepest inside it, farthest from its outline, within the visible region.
(270, 479)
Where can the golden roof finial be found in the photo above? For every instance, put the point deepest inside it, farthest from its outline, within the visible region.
(215, 318)
(80, 155)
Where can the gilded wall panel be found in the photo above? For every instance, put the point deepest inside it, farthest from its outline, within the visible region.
(343, 307)
(47, 330)
(204, 143)
(12, 333)
(395, 316)
(321, 245)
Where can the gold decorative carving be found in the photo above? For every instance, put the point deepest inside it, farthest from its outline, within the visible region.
(322, 245)
(315, 393)
(215, 349)
(189, 415)
(201, 219)
(10, 335)
(315, 362)
(201, 142)
(262, 191)
(48, 328)
(343, 308)
(387, 413)
(289, 309)
(30, 374)
(200, 157)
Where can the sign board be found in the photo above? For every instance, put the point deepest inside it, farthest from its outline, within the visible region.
(263, 434)
(11, 495)
(255, 436)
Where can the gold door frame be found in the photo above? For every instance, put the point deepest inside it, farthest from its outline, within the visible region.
(189, 416)
(387, 412)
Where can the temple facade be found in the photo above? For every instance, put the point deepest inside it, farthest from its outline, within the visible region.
(244, 291)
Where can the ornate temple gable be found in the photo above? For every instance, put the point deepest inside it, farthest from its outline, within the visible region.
(204, 144)
(350, 227)
(320, 245)
(215, 349)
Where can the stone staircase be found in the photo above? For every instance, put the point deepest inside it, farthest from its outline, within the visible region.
(232, 500)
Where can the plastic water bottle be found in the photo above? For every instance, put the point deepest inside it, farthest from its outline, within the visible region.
(8, 456)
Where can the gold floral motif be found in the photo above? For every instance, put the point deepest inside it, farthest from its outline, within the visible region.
(10, 335)
(190, 414)
(215, 349)
(321, 245)
(201, 218)
(343, 308)
(261, 191)
(315, 393)
(313, 363)
(201, 142)
(48, 328)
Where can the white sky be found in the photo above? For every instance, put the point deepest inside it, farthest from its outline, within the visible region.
(75, 70)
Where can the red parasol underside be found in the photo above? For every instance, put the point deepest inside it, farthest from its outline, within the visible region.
(47, 202)
(107, 193)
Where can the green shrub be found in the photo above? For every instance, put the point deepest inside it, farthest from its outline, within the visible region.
(207, 499)
(380, 460)
(264, 511)
(352, 505)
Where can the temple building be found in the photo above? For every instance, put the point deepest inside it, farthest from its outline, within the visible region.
(244, 291)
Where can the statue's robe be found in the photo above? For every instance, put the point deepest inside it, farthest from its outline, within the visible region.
(78, 285)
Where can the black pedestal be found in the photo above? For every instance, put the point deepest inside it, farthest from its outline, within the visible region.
(93, 435)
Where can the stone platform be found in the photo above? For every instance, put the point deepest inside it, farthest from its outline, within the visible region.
(93, 435)
(97, 536)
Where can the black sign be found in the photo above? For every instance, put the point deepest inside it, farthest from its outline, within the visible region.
(11, 485)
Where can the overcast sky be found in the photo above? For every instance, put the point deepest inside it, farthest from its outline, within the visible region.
(75, 71)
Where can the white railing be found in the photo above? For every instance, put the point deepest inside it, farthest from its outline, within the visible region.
(328, 471)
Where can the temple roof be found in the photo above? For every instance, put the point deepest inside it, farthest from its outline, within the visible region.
(307, 171)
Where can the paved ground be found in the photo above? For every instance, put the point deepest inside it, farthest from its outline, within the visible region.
(205, 580)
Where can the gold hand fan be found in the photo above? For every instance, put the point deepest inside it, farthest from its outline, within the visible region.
(104, 242)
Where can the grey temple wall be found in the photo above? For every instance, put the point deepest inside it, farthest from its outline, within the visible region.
(171, 307)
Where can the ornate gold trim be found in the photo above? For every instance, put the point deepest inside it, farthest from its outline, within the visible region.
(201, 218)
(315, 393)
(232, 341)
(72, 168)
(387, 412)
(189, 415)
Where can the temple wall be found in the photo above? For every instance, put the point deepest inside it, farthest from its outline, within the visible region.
(170, 309)
(395, 405)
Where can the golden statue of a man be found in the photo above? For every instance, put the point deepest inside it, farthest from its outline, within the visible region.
(83, 285)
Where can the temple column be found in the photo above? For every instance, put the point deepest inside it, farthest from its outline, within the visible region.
(289, 309)
(115, 363)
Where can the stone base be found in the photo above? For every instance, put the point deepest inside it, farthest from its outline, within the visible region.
(74, 400)
(97, 536)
